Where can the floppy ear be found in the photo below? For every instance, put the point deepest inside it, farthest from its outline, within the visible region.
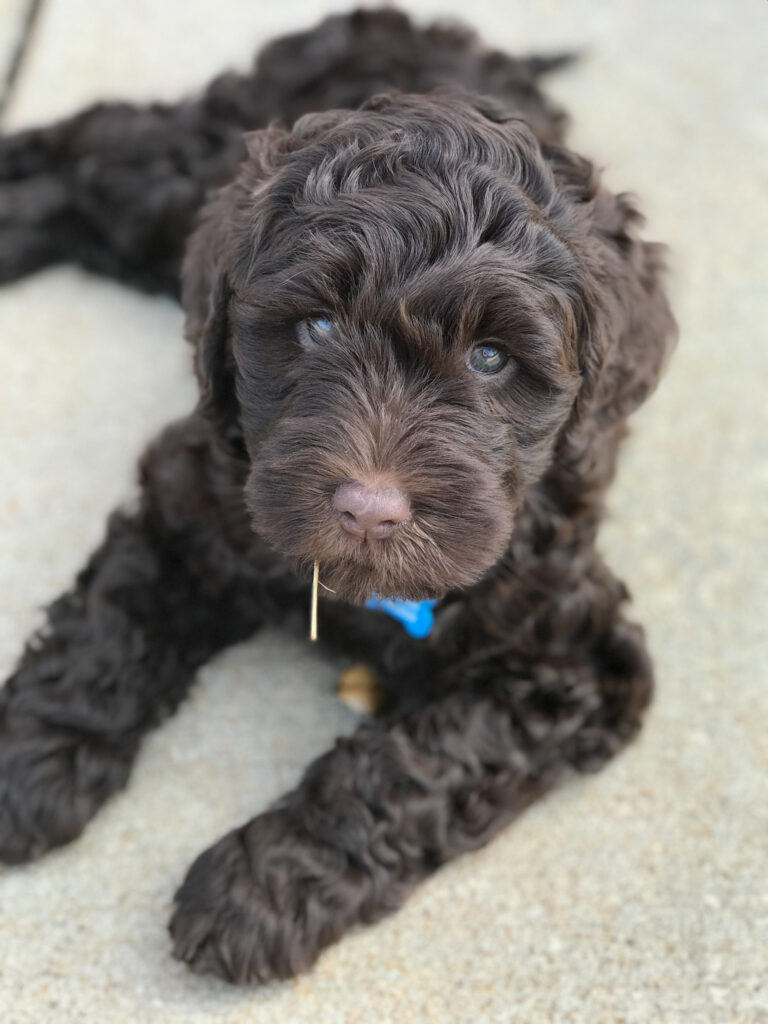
(628, 331)
(639, 329)
(207, 281)
(205, 295)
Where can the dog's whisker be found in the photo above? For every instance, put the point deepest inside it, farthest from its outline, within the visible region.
(313, 611)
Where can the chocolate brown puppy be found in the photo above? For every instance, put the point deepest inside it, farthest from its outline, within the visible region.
(420, 325)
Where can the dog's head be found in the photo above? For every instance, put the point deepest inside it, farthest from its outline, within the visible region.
(396, 313)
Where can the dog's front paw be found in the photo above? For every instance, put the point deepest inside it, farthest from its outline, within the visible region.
(263, 902)
(51, 784)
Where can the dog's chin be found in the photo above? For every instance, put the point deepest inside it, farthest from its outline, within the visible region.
(357, 583)
(357, 575)
(417, 564)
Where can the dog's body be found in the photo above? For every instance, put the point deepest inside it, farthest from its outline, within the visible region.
(426, 308)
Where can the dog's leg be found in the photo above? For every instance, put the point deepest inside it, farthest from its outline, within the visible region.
(166, 590)
(115, 188)
(389, 805)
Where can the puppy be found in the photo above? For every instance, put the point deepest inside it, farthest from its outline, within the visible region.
(420, 327)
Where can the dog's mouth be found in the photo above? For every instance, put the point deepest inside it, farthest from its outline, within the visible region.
(406, 563)
(358, 580)
(412, 563)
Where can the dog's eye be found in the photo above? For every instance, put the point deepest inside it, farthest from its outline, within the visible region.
(315, 330)
(487, 359)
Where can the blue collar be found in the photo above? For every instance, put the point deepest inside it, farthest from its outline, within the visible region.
(417, 617)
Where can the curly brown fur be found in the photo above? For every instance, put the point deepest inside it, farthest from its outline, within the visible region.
(418, 225)
(117, 187)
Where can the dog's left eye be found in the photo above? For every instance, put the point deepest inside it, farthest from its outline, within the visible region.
(487, 359)
(315, 329)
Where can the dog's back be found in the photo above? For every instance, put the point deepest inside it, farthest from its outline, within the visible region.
(78, 193)
(348, 58)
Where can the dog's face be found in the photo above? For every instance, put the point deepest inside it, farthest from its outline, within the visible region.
(400, 327)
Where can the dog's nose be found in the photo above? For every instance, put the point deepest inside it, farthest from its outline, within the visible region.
(370, 512)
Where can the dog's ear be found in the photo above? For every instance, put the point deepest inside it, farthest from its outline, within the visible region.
(206, 293)
(208, 277)
(627, 330)
(633, 329)
(637, 328)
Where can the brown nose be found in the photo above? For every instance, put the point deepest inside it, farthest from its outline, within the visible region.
(370, 512)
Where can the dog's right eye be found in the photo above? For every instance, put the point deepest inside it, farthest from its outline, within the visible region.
(315, 330)
(487, 359)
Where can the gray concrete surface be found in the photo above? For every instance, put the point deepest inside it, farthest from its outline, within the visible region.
(638, 895)
(14, 22)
